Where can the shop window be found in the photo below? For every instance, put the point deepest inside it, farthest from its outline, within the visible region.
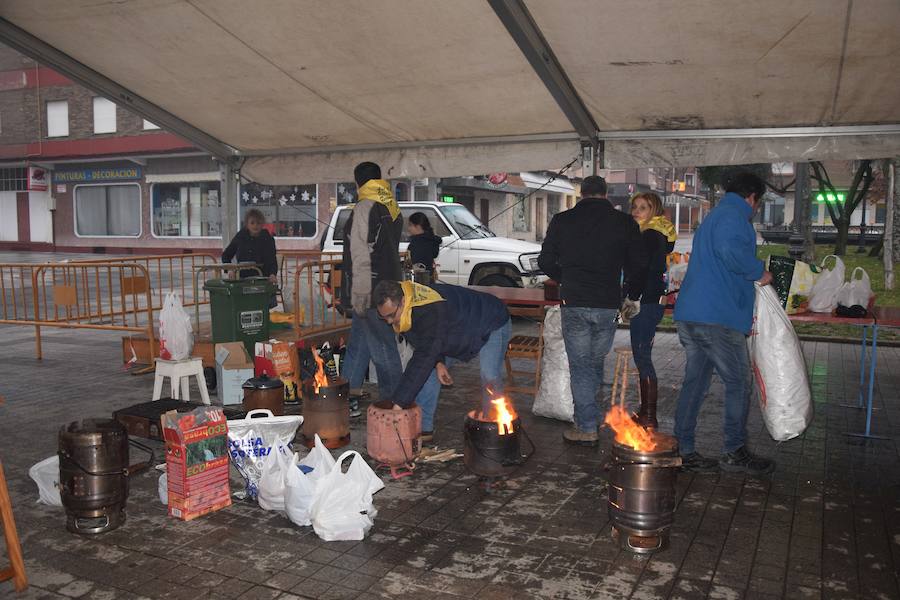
(187, 209)
(58, 119)
(104, 115)
(521, 215)
(346, 193)
(108, 210)
(290, 210)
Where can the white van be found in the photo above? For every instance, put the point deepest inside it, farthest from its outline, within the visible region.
(470, 253)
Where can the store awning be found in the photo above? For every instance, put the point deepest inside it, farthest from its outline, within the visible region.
(300, 90)
(543, 182)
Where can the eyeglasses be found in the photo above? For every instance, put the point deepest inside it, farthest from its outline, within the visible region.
(390, 317)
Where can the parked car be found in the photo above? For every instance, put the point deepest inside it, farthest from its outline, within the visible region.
(471, 254)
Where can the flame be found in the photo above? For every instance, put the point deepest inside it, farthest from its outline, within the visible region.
(321, 380)
(629, 433)
(504, 415)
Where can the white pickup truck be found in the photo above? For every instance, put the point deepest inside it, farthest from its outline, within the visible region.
(471, 254)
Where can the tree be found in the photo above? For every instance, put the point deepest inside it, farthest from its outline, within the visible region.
(840, 211)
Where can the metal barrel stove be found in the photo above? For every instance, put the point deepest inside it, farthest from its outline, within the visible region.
(327, 412)
(486, 452)
(93, 474)
(641, 499)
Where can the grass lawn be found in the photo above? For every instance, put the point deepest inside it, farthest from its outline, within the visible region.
(873, 266)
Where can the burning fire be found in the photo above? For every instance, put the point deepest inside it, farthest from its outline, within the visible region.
(320, 380)
(629, 433)
(502, 413)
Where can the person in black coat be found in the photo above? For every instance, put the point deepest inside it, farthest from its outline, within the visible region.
(424, 245)
(253, 244)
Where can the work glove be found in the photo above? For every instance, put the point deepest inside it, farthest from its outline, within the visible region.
(630, 309)
(360, 303)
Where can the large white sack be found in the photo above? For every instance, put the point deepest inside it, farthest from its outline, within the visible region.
(554, 397)
(783, 389)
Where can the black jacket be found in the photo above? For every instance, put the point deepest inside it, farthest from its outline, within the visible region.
(656, 247)
(370, 229)
(457, 327)
(586, 250)
(423, 249)
(259, 249)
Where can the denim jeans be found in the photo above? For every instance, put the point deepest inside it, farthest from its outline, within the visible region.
(491, 361)
(588, 334)
(643, 330)
(372, 339)
(713, 347)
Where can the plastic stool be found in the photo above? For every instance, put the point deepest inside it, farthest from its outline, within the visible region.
(179, 372)
(624, 370)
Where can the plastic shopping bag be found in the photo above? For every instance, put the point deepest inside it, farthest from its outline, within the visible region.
(793, 280)
(46, 475)
(856, 292)
(824, 293)
(176, 339)
(271, 482)
(319, 460)
(252, 439)
(342, 508)
(299, 493)
(554, 397)
(779, 369)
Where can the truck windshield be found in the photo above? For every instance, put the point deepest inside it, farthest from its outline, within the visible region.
(467, 225)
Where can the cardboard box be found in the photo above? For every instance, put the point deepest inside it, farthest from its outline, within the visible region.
(278, 360)
(233, 367)
(196, 461)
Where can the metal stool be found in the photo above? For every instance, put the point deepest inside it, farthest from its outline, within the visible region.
(624, 369)
(179, 373)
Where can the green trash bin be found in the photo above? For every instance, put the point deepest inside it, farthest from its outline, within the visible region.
(240, 310)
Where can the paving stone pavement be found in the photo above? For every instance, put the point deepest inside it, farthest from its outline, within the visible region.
(826, 524)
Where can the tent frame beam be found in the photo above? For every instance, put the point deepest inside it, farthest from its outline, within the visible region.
(29, 45)
(527, 35)
(757, 132)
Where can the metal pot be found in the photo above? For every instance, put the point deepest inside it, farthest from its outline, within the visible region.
(486, 452)
(327, 413)
(392, 436)
(93, 474)
(264, 392)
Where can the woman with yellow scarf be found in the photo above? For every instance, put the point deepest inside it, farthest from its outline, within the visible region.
(658, 235)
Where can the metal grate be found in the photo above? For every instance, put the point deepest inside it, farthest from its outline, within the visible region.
(13, 179)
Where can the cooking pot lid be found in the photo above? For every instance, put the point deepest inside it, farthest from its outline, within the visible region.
(263, 382)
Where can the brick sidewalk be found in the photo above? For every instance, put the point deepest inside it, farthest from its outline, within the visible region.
(826, 524)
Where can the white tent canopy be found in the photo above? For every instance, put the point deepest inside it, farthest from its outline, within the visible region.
(301, 90)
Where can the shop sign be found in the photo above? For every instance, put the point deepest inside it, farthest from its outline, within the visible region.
(498, 180)
(37, 179)
(98, 174)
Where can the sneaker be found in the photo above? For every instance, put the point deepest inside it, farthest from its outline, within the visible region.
(744, 461)
(355, 412)
(573, 435)
(697, 463)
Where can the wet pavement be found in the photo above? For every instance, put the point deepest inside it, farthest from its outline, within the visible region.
(826, 524)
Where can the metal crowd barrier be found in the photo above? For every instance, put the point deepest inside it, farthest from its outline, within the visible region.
(316, 298)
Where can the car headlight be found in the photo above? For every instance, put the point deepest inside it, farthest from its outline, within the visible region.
(529, 263)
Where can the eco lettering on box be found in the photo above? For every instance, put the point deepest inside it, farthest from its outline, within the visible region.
(251, 321)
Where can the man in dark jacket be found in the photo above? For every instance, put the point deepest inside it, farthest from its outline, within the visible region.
(443, 323)
(371, 254)
(586, 250)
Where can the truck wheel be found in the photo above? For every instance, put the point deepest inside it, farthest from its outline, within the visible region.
(499, 280)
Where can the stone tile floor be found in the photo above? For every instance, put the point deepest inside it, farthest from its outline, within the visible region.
(826, 524)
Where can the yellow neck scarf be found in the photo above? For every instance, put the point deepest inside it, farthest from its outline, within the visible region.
(662, 225)
(379, 190)
(414, 294)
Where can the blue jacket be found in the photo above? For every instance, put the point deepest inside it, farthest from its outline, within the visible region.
(457, 327)
(718, 286)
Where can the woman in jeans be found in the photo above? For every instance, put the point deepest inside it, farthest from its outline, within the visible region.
(658, 236)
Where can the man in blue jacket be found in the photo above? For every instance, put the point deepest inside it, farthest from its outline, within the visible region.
(714, 315)
(443, 323)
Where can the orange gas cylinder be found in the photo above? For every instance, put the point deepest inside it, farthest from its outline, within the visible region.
(393, 436)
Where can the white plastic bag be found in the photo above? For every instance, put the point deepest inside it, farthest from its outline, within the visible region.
(162, 488)
(299, 493)
(342, 508)
(46, 475)
(823, 298)
(176, 339)
(554, 397)
(856, 292)
(319, 460)
(252, 439)
(779, 369)
(271, 483)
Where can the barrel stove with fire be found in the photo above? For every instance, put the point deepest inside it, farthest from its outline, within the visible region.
(326, 408)
(641, 500)
(493, 443)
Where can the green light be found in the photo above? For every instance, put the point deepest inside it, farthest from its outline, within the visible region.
(830, 197)
(840, 198)
(820, 198)
(448, 198)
